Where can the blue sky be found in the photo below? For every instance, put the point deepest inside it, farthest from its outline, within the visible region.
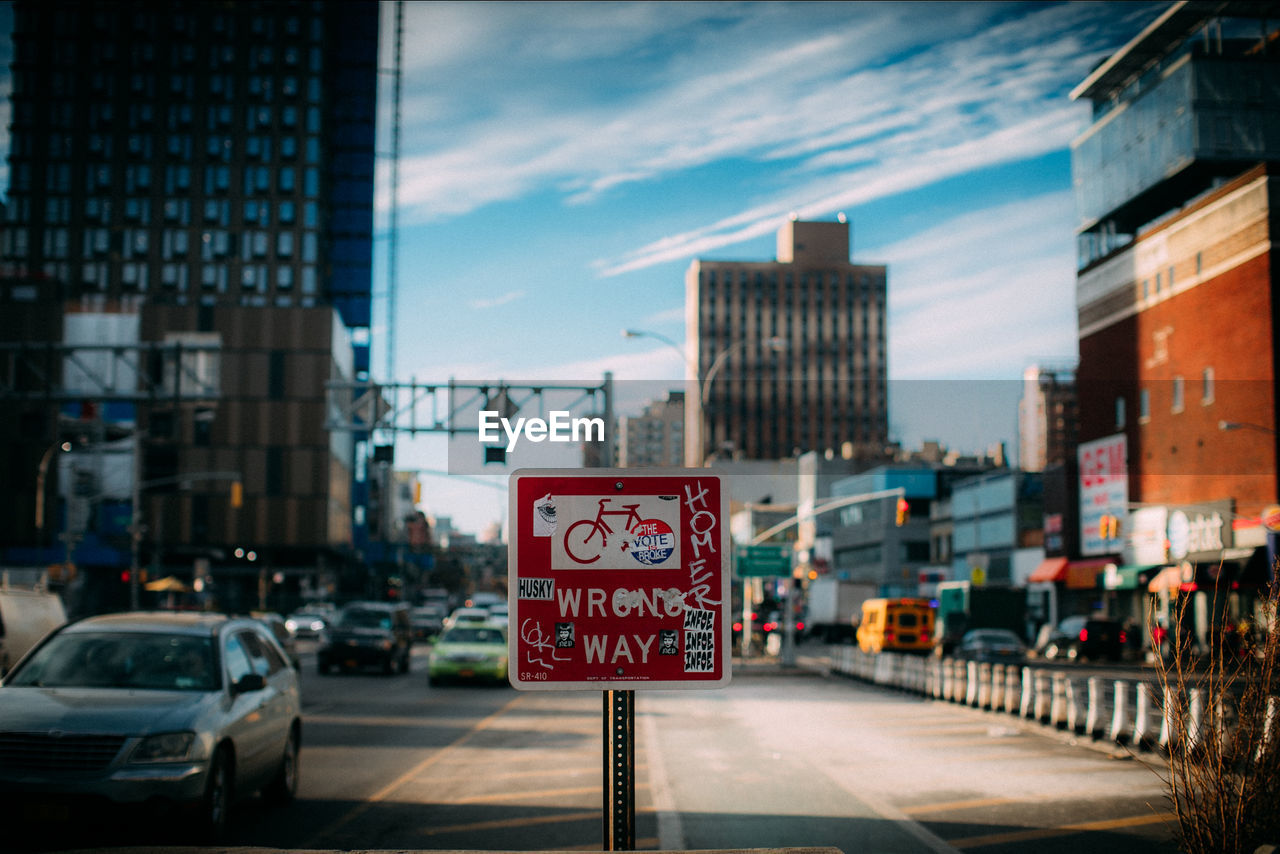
(561, 164)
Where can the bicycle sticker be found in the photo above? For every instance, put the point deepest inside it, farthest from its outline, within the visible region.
(638, 532)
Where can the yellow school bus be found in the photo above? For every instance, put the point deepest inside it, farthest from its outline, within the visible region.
(899, 625)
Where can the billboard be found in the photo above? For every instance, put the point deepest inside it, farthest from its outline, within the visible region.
(1104, 491)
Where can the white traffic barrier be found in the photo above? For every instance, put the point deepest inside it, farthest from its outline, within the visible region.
(1093, 717)
(961, 689)
(1195, 723)
(1270, 731)
(1145, 733)
(1058, 703)
(948, 679)
(996, 700)
(1012, 689)
(971, 685)
(1073, 703)
(984, 685)
(1121, 725)
(1043, 697)
(1027, 707)
(1168, 715)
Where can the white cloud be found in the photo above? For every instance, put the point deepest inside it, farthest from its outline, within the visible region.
(495, 302)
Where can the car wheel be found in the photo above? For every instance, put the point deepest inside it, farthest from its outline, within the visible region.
(217, 798)
(322, 666)
(283, 788)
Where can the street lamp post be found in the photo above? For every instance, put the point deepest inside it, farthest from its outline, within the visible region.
(695, 455)
(42, 474)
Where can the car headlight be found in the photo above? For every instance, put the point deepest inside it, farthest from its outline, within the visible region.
(166, 747)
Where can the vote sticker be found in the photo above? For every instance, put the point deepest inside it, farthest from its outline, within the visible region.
(652, 542)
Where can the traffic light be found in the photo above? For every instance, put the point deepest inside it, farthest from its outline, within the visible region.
(904, 512)
(237, 494)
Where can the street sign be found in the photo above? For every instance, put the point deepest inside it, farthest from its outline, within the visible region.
(618, 580)
(766, 560)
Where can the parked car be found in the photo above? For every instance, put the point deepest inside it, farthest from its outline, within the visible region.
(991, 645)
(471, 652)
(427, 621)
(164, 712)
(306, 624)
(367, 634)
(1086, 637)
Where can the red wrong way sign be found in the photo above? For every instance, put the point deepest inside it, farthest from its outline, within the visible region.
(617, 580)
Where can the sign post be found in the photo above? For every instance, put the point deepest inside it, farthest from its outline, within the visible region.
(618, 581)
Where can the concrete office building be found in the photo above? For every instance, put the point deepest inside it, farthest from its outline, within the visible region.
(791, 352)
(1048, 417)
(196, 173)
(654, 438)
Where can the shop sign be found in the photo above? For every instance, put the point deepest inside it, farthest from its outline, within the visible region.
(1199, 533)
(1147, 541)
(1104, 490)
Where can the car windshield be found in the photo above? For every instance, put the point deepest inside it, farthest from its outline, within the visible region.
(474, 634)
(359, 618)
(154, 662)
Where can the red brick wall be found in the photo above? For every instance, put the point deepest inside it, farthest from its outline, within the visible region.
(1176, 458)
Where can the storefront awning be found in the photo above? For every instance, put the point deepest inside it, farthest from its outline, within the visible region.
(1083, 574)
(1050, 569)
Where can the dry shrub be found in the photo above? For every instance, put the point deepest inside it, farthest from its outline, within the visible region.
(1223, 769)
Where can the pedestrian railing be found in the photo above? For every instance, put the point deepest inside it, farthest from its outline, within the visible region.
(1138, 712)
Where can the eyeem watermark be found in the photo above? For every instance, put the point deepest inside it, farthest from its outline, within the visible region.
(560, 428)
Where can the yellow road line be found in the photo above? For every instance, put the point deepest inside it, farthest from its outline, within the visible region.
(499, 824)
(407, 777)
(523, 796)
(1049, 832)
(957, 805)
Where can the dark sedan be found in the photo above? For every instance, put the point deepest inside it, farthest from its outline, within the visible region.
(991, 645)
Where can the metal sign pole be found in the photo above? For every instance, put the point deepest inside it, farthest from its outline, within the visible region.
(620, 770)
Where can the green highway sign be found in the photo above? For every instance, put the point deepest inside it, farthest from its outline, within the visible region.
(762, 561)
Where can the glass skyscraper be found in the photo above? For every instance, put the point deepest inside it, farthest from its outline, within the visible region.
(199, 174)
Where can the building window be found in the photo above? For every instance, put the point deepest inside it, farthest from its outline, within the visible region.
(1179, 400)
(1144, 406)
(1206, 386)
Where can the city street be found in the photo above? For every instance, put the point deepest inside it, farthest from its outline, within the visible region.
(778, 758)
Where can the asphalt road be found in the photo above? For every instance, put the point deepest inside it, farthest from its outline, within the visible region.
(778, 758)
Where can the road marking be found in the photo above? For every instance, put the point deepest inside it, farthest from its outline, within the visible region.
(959, 805)
(525, 796)
(1065, 830)
(407, 777)
(670, 825)
(540, 774)
(506, 823)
